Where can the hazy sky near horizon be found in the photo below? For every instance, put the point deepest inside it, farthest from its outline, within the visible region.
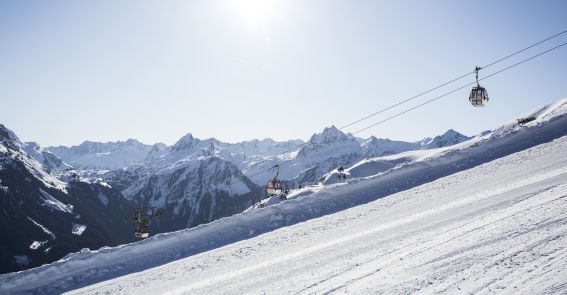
(237, 70)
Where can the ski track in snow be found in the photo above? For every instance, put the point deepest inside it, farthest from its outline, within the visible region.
(485, 230)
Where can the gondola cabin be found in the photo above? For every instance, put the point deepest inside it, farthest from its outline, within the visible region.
(274, 187)
(478, 96)
(142, 231)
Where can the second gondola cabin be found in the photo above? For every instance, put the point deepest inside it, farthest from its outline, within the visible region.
(274, 187)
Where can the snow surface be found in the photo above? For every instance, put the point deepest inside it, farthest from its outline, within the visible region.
(482, 217)
(53, 203)
(43, 228)
(36, 245)
(78, 229)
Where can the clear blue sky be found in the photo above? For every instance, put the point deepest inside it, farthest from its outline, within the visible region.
(236, 70)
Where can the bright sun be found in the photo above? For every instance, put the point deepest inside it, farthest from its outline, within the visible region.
(255, 13)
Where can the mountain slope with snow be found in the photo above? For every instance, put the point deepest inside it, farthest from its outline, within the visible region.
(194, 191)
(333, 148)
(43, 218)
(483, 216)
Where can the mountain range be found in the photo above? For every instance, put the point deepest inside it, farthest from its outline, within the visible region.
(58, 200)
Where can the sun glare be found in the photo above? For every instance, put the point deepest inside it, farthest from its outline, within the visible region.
(254, 13)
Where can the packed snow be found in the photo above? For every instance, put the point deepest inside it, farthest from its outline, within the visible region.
(488, 215)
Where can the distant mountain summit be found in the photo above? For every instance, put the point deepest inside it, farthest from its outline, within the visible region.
(107, 155)
(451, 137)
(378, 147)
(186, 143)
(330, 140)
(51, 163)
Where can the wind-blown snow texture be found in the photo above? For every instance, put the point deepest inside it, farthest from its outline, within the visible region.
(488, 215)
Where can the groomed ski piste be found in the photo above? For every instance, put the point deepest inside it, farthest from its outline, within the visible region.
(488, 215)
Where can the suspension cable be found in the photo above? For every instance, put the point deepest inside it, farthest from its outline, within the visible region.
(450, 82)
(455, 90)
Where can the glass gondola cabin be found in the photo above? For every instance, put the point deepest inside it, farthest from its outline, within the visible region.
(274, 187)
(478, 96)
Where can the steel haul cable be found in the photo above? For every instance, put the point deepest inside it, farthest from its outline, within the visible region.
(455, 90)
(451, 81)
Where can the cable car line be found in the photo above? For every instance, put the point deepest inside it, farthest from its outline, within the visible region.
(522, 50)
(451, 81)
(462, 87)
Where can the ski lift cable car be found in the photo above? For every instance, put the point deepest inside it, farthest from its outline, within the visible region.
(142, 216)
(479, 95)
(274, 186)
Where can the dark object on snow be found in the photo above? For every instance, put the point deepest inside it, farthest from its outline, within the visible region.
(525, 120)
(143, 216)
(341, 175)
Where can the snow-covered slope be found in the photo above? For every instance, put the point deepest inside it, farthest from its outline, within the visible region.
(487, 216)
(51, 163)
(43, 218)
(333, 148)
(193, 191)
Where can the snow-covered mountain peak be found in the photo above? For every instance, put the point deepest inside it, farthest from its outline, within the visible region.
(8, 137)
(450, 137)
(13, 154)
(331, 140)
(330, 135)
(186, 142)
(376, 147)
(51, 163)
(106, 155)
